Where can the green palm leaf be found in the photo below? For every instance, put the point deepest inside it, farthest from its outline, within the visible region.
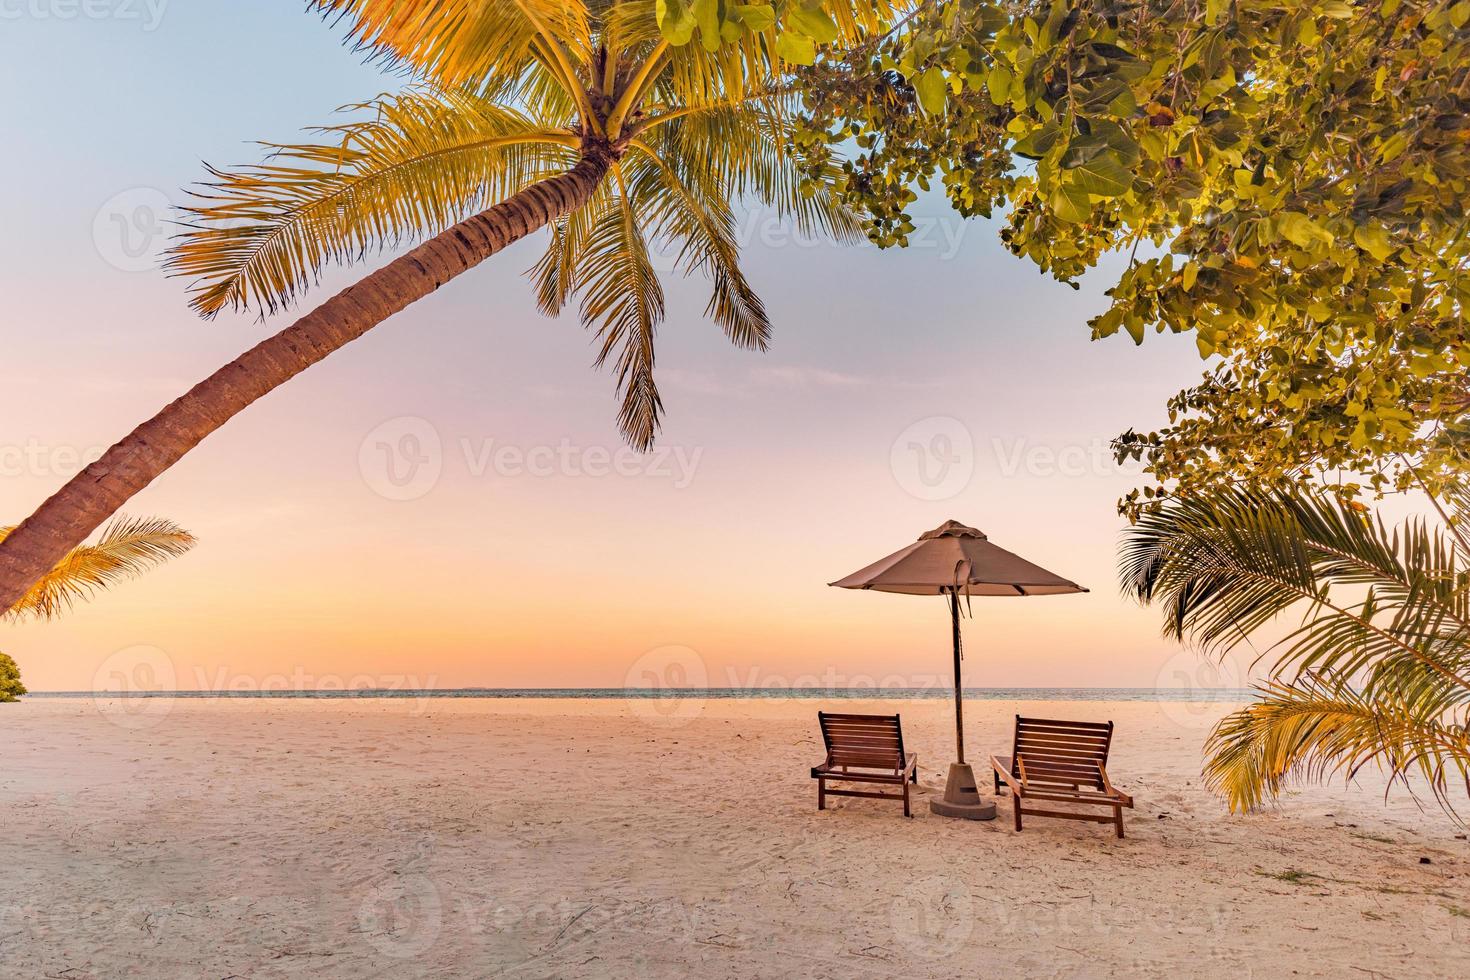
(1376, 670)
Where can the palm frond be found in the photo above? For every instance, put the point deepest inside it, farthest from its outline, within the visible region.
(1317, 727)
(1377, 669)
(555, 273)
(126, 548)
(623, 301)
(425, 159)
(689, 210)
(1226, 565)
(470, 42)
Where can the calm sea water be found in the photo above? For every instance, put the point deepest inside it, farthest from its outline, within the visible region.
(801, 693)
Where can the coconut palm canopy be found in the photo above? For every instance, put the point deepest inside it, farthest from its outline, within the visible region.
(509, 93)
(588, 117)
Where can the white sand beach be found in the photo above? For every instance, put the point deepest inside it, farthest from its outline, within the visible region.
(558, 838)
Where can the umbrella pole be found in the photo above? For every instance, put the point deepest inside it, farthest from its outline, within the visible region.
(959, 701)
(961, 795)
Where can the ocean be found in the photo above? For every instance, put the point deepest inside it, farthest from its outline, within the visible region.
(723, 693)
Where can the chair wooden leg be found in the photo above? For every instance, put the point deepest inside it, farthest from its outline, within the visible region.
(906, 811)
(821, 794)
(1118, 820)
(1016, 806)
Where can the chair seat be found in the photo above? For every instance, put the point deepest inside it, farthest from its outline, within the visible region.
(862, 774)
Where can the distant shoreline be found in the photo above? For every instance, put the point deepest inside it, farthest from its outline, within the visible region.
(712, 693)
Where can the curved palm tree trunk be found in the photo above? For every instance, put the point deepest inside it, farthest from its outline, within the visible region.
(74, 511)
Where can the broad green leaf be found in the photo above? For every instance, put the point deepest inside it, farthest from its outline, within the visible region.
(1134, 325)
(812, 21)
(675, 21)
(1301, 230)
(1374, 240)
(1188, 276)
(930, 88)
(1102, 174)
(998, 84)
(796, 48)
(1070, 203)
(756, 16)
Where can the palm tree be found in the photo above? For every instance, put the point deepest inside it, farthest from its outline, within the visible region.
(580, 115)
(126, 549)
(1378, 668)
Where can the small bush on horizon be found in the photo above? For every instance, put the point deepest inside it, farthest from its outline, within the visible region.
(11, 688)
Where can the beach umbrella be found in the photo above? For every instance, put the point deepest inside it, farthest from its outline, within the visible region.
(954, 560)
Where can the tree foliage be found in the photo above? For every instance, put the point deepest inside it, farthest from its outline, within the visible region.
(11, 688)
(1377, 671)
(1290, 181)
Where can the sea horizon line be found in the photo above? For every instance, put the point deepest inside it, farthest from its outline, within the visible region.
(712, 693)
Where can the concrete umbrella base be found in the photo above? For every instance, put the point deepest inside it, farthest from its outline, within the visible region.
(961, 797)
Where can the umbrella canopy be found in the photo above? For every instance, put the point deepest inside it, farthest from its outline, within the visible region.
(955, 558)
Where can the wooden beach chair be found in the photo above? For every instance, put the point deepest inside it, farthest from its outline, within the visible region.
(1062, 762)
(865, 749)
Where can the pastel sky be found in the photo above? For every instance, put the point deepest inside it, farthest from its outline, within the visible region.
(534, 551)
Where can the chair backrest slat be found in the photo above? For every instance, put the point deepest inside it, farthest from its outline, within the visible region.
(1061, 752)
(862, 741)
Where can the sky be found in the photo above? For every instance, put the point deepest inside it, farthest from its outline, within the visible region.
(447, 503)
